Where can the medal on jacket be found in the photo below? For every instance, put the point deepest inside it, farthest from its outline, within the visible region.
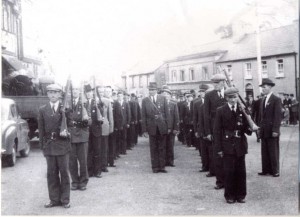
(93, 111)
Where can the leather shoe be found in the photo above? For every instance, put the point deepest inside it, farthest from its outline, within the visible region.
(241, 201)
(82, 188)
(67, 205)
(276, 175)
(52, 204)
(263, 174)
(209, 175)
(98, 175)
(112, 165)
(155, 171)
(218, 187)
(73, 188)
(203, 170)
(105, 170)
(230, 201)
(163, 171)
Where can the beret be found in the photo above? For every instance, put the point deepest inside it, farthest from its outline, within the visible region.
(231, 91)
(217, 78)
(203, 87)
(54, 87)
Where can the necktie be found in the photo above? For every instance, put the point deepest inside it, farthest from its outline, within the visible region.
(220, 95)
(232, 110)
(264, 102)
(153, 99)
(53, 108)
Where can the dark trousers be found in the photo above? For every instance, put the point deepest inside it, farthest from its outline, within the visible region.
(219, 168)
(132, 133)
(211, 158)
(94, 155)
(123, 140)
(181, 136)
(78, 155)
(117, 143)
(157, 150)
(58, 178)
(129, 137)
(270, 155)
(137, 133)
(170, 148)
(235, 177)
(104, 151)
(204, 154)
(112, 148)
(188, 134)
(293, 118)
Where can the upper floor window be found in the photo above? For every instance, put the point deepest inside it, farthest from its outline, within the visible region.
(279, 68)
(248, 71)
(140, 81)
(132, 81)
(182, 77)
(264, 69)
(174, 75)
(204, 73)
(192, 74)
(5, 17)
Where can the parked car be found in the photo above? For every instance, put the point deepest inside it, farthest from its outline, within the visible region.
(14, 133)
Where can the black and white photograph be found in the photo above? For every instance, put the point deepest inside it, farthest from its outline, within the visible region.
(150, 107)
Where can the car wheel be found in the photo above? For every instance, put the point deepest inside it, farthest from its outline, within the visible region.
(12, 158)
(26, 150)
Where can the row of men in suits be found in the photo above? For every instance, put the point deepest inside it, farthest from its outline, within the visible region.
(292, 105)
(98, 132)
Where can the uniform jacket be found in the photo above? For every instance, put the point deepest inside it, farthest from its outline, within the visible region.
(224, 131)
(117, 113)
(133, 111)
(180, 107)
(211, 102)
(256, 110)
(196, 114)
(270, 116)
(108, 122)
(187, 113)
(287, 102)
(174, 115)
(96, 126)
(49, 123)
(126, 114)
(79, 133)
(155, 115)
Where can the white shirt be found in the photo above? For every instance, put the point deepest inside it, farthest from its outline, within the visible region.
(55, 105)
(154, 97)
(76, 101)
(222, 92)
(230, 106)
(267, 98)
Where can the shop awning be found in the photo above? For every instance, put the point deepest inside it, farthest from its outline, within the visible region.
(13, 62)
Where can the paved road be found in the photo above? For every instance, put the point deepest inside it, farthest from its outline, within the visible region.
(132, 189)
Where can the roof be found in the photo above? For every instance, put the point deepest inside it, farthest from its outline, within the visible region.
(13, 62)
(276, 41)
(197, 55)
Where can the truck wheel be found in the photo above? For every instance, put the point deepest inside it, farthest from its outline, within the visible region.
(26, 150)
(12, 158)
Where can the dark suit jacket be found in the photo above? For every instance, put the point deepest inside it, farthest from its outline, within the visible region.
(224, 127)
(270, 117)
(133, 111)
(117, 113)
(256, 110)
(187, 113)
(211, 102)
(96, 126)
(174, 116)
(200, 128)
(155, 116)
(196, 114)
(180, 107)
(78, 134)
(49, 123)
(126, 114)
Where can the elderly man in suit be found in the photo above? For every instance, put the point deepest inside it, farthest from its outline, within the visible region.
(212, 101)
(270, 120)
(107, 128)
(231, 144)
(56, 147)
(174, 122)
(155, 123)
(79, 140)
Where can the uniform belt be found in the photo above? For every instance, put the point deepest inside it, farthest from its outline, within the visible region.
(53, 136)
(80, 124)
(232, 133)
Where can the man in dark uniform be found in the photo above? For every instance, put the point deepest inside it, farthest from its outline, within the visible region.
(180, 104)
(134, 120)
(294, 110)
(174, 122)
(94, 150)
(199, 128)
(270, 121)
(79, 140)
(56, 146)
(231, 144)
(212, 101)
(126, 117)
(187, 118)
(155, 115)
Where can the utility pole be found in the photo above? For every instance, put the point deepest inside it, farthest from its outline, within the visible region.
(258, 45)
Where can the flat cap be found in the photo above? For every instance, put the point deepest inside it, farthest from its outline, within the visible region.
(203, 87)
(217, 78)
(188, 93)
(166, 89)
(231, 91)
(54, 87)
(152, 86)
(267, 81)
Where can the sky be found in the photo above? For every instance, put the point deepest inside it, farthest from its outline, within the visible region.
(110, 37)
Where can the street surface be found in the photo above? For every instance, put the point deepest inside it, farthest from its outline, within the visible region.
(132, 189)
